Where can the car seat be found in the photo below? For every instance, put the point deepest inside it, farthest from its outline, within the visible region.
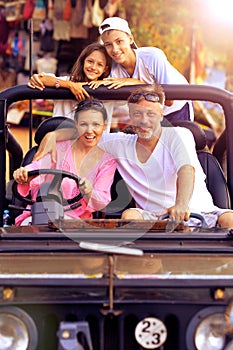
(121, 198)
(215, 179)
(46, 126)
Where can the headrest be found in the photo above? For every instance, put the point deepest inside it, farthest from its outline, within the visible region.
(198, 133)
(52, 124)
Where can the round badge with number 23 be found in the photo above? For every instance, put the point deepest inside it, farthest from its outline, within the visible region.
(151, 333)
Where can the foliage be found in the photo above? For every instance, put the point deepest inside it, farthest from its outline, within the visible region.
(164, 24)
(169, 25)
(187, 34)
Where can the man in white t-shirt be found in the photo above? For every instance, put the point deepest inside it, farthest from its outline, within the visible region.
(160, 165)
(147, 64)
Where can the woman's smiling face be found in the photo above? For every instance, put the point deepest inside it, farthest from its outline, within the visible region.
(90, 126)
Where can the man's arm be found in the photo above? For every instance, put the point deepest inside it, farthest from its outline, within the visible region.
(184, 190)
(115, 83)
(48, 143)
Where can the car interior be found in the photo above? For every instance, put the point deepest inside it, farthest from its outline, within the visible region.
(121, 198)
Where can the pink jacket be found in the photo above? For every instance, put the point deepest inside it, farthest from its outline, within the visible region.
(101, 177)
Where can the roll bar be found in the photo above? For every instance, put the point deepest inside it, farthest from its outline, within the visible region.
(173, 92)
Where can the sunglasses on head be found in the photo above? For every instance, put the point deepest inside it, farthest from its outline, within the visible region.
(88, 104)
(147, 96)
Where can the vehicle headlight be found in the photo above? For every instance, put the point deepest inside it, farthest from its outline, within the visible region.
(208, 334)
(17, 330)
(206, 331)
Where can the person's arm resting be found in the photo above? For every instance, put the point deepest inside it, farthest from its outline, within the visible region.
(185, 185)
(115, 83)
(75, 87)
(48, 143)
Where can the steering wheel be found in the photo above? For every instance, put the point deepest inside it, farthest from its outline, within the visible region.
(53, 189)
(192, 215)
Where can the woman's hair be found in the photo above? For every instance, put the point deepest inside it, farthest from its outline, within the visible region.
(77, 73)
(90, 104)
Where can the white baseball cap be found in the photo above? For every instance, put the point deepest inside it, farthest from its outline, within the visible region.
(116, 23)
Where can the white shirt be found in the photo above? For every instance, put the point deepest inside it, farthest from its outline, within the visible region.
(66, 108)
(152, 66)
(153, 184)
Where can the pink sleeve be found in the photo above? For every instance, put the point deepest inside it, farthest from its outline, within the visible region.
(44, 163)
(101, 195)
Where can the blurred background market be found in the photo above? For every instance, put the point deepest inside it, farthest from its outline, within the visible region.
(48, 36)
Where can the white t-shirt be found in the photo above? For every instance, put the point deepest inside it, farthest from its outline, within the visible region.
(152, 66)
(153, 184)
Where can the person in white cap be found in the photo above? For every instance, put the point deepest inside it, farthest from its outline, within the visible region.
(147, 64)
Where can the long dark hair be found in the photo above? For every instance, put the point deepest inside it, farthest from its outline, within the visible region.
(77, 73)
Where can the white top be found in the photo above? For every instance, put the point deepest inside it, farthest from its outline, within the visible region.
(46, 64)
(153, 184)
(66, 108)
(152, 66)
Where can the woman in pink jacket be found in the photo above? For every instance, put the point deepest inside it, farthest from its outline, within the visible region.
(81, 157)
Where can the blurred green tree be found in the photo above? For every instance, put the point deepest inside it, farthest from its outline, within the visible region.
(184, 30)
(164, 24)
(189, 34)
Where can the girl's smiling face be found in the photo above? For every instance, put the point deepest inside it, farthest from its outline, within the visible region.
(90, 126)
(94, 65)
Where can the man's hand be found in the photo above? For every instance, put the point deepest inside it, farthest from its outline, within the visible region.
(176, 213)
(185, 182)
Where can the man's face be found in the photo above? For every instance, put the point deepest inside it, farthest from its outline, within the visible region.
(146, 118)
